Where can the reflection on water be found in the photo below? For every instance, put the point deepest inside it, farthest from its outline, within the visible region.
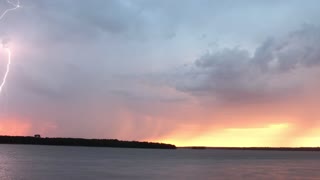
(54, 162)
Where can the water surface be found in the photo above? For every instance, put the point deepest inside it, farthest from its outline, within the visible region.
(62, 162)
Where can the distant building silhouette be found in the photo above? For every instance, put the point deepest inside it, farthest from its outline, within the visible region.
(37, 136)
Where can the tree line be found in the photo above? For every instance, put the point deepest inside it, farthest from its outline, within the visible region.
(83, 142)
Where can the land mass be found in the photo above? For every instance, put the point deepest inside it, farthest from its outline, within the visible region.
(257, 148)
(83, 142)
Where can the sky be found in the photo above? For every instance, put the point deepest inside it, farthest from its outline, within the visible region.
(187, 72)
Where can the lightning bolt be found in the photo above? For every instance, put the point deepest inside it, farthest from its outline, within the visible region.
(7, 70)
(7, 49)
(16, 6)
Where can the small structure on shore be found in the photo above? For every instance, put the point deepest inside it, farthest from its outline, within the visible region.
(37, 136)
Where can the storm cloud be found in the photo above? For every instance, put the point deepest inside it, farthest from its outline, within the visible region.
(277, 68)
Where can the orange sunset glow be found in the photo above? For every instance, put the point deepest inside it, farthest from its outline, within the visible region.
(14, 127)
(274, 135)
(232, 137)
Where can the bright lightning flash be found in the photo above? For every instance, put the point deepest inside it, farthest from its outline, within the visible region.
(7, 49)
(7, 69)
(16, 6)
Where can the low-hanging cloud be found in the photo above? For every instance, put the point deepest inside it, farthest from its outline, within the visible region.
(277, 68)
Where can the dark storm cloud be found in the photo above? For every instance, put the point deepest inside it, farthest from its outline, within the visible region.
(298, 49)
(232, 75)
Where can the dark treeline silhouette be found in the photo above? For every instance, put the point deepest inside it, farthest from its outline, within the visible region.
(82, 142)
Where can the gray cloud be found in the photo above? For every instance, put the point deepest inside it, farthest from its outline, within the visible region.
(232, 75)
(298, 49)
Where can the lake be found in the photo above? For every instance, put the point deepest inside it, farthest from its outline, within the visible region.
(62, 162)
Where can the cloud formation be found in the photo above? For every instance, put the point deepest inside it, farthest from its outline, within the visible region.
(277, 68)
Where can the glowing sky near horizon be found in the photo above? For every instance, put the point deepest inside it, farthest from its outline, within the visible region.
(188, 72)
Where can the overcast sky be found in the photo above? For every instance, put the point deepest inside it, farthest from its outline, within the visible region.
(183, 71)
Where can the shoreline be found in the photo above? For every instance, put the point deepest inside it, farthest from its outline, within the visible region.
(253, 148)
(59, 141)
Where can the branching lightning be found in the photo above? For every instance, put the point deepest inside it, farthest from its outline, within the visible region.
(7, 49)
(16, 6)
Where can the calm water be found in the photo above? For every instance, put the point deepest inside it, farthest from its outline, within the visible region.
(54, 162)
